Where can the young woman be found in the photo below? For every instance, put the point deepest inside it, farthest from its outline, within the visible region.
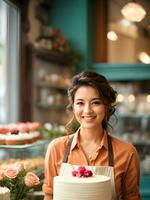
(92, 101)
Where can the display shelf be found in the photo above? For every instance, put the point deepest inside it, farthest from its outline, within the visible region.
(133, 115)
(51, 76)
(52, 56)
(53, 106)
(25, 146)
(34, 150)
(51, 86)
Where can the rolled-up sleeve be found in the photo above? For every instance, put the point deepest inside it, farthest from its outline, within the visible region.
(131, 177)
(49, 171)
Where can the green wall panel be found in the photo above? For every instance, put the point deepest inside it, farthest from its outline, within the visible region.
(123, 72)
(72, 18)
(145, 187)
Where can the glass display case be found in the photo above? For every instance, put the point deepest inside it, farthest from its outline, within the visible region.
(36, 149)
(132, 120)
(32, 156)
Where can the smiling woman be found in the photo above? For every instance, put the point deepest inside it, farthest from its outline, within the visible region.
(92, 102)
(88, 108)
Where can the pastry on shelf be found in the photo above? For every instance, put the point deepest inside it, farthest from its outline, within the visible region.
(20, 133)
(29, 163)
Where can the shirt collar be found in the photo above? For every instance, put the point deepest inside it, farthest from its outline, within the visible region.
(75, 140)
(104, 141)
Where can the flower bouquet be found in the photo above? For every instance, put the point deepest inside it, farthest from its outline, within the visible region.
(18, 180)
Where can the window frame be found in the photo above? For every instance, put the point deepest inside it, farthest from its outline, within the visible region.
(12, 73)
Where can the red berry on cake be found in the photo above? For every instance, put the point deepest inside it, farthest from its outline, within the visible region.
(74, 173)
(81, 169)
(88, 173)
(82, 172)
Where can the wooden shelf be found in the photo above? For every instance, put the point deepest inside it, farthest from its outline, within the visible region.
(133, 116)
(50, 93)
(52, 56)
(53, 106)
(50, 85)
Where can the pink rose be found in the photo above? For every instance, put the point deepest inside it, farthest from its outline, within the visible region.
(74, 173)
(81, 169)
(88, 173)
(11, 172)
(79, 174)
(82, 172)
(2, 174)
(31, 179)
(19, 166)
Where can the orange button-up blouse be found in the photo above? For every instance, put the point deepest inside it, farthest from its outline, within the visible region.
(126, 164)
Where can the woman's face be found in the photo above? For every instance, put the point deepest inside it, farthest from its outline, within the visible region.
(88, 108)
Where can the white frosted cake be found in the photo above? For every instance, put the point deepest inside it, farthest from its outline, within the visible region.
(4, 193)
(74, 188)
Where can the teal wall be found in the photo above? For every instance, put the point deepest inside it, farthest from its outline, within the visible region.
(123, 72)
(72, 18)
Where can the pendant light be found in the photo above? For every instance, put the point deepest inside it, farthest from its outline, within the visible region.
(112, 35)
(133, 11)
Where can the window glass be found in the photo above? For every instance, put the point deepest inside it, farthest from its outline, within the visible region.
(9, 57)
(128, 41)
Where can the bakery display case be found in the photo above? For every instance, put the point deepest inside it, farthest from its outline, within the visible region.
(132, 120)
(132, 123)
(32, 151)
(31, 155)
(23, 144)
(51, 77)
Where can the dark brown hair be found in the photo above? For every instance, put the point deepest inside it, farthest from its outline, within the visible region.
(101, 84)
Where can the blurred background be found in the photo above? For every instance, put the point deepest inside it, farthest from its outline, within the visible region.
(43, 43)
